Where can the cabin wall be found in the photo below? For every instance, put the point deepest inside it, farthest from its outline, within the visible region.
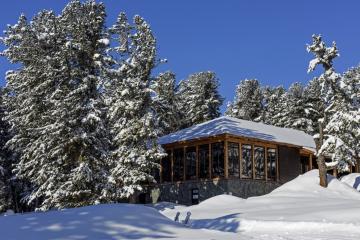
(182, 192)
(289, 163)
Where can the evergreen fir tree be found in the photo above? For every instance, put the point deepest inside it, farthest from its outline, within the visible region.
(295, 114)
(314, 105)
(165, 103)
(55, 105)
(5, 162)
(329, 141)
(274, 104)
(132, 121)
(247, 102)
(199, 98)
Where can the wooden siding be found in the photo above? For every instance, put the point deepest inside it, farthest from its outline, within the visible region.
(289, 163)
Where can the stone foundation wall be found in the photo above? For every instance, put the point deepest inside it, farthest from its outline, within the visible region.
(182, 192)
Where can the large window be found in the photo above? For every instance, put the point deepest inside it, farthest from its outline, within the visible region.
(246, 160)
(166, 168)
(217, 158)
(204, 161)
(233, 159)
(259, 159)
(271, 163)
(190, 163)
(178, 164)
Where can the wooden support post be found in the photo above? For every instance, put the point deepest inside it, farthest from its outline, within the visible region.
(310, 162)
(210, 174)
(226, 159)
(240, 159)
(335, 172)
(172, 165)
(161, 170)
(253, 161)
(277, 164)
(197, 162)
(265, 153)
(184, 172)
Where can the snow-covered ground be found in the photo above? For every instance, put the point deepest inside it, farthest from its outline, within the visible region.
(297, 210)
(353, 180)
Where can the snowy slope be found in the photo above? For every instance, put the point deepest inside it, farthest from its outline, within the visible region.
(243, 128)
(298, 210)
(111, 221)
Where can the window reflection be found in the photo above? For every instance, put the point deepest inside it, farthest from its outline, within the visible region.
(259, 157)
(204, 161)
(246, 160)
(217, 157)
(271, 163)
(233, 159)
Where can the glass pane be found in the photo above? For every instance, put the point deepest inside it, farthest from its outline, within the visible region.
(204, 161)
(259, 157)
(217, 157)
(190, 163)
(166, 167)
(233, 158)
(246, 160)
(271, 163)
(179, 164)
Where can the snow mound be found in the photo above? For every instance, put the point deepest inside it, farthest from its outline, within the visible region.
(353, 180)
(300, 207)
(106, 221)
(222, 200)
(308, 184)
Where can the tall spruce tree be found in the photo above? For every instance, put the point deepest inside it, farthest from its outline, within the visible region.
(132, 121)
(314, 105)
(55, 105)
(199, 98)
(327, 141)
(247, 103)
(5, 160)
(165, 103)
(274, 105)
(343, 128)
(295, 114)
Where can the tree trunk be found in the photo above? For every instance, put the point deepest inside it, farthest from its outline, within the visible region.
(322, 171)
(321, 158)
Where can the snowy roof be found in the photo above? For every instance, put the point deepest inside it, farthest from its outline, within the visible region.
(241, 128)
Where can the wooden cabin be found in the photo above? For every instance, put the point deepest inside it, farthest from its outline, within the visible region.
(233, 156)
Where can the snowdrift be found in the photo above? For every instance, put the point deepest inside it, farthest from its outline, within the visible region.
(299, 209)
(353, 180)
(106, 221)
(300, 205)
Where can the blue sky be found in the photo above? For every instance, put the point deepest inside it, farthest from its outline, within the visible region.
(236, 39)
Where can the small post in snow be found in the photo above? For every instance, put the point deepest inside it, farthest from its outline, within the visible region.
(177, 217)
(187, 219)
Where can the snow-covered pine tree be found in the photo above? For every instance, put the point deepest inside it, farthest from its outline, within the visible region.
(55, 105)
(314, 105)
(295, 113)
(274, 105)
(330, 141)
(30, 45)
(343, 128)
(165, 103)
(199, 98)
(132, 121)
(247, 101)
(5, 162)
